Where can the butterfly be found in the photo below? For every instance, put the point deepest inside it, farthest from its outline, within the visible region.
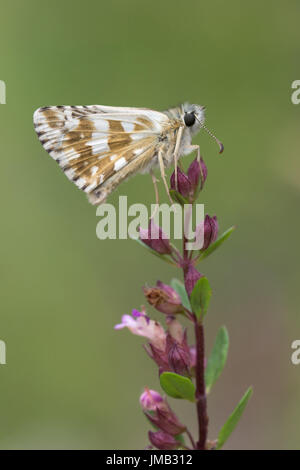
(98, 147)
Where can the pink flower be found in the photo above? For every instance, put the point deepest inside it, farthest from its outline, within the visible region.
(150, 399)
(140, 324)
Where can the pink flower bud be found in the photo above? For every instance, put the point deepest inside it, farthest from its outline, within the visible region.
(175, 329)
(211, 228)
(166, 420)
(150, 399)
(159, 356)
(156, 239)
(184, 186)
(203, 174)
(178, 356)
(197, 172)
(194, 173)
(163, 441)
(191, 276)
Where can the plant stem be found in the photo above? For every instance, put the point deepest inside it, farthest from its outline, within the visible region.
(200, 385)
(191, 439)
(201, 401)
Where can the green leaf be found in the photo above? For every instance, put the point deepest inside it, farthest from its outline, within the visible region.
(217, 358)
(153, 252)
(200, 297)
(180, 289)
(180, 438)
(216, 244)
(177, 197)
(233, 419)
(177, 386)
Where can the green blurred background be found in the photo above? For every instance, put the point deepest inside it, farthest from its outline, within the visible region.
(71, 381)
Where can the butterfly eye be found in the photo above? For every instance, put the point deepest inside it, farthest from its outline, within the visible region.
(189, 119)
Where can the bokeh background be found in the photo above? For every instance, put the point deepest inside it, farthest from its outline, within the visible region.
(71, 381)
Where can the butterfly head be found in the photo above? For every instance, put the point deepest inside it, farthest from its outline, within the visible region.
(193, 117)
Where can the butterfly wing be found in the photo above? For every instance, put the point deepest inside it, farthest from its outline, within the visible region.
(99, 146)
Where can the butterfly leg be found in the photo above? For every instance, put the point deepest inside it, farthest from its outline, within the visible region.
(163, 175)
(176, 154)
(195, 147)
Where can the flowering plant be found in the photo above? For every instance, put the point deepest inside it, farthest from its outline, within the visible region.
(184, 371)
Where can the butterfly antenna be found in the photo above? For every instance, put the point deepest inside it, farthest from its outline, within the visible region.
(221, 146)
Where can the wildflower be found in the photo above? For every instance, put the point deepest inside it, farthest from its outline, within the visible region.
(140, 324)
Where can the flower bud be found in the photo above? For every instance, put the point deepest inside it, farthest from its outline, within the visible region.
(150, 399)
(156, 239)
(197, 172)
(203, 174)
(175, 329)
(178, 356)
(191, 276)
(194, 173)
(163, 441)
(211, 228)
(164, 298)
(166, 420)
(184, 186)
(159, 356)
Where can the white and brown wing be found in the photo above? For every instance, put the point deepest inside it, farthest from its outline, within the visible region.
(92, 144)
